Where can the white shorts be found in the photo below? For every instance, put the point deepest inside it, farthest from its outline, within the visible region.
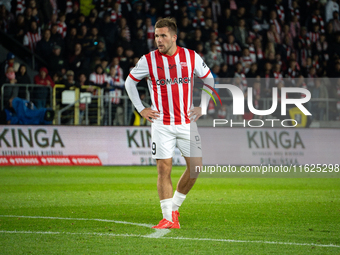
(166, 137)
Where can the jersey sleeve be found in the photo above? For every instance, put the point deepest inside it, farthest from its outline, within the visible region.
(140, 71)
(92, 78)
(201, 68)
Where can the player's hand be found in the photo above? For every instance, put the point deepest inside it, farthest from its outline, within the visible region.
(195, 113)
(148, 113)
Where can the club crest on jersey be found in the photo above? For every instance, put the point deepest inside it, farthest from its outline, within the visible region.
(183, 64)
(170, 81)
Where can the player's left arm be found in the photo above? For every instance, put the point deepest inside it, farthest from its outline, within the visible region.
(204, 73)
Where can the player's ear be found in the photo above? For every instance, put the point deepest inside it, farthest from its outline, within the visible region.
(174, 37)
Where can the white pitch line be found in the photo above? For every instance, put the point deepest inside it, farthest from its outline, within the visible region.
(157, 234)
(80, 219)
(173, 238)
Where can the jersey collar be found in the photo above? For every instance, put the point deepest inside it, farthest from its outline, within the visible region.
(165, 55)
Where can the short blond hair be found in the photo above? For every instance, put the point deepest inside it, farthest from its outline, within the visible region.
(170, 23)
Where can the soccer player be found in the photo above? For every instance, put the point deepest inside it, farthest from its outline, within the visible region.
(170, 71)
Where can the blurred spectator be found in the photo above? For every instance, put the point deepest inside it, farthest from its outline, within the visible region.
(198, 20)
(273, 20)
(56, 38)
(335, 45)
(215, 71)
(267, 80)
(273, 36)
(124, 30)
(295, 27)
(335, 22)
(40, 94)
(28, 15)
(181, 40)
(216, 10)
(277, 72)
(280, 10)
(226, 18)
(32, 37)
(319, 92)
(53, 20)
(93, 20)
(293, 71)
(222, 112)
(98, 77)
(286, 37)
(150, 34)
(22, 112)
(314, 34)
(139, 44)
(116, 83)
(270, 49)
(45, 46)
(258, 50)
(259, 22)
(9, 61)
(330, 7)
(19, 29)
(336, 95)
(321, 48)
(200, 50)
(109, 31)
(100, 50)
(22, 76)
(72, 17)
(253, 71)
(239, 72)
(197, 38)
(184, 25)
(70, 40)
(213, 39)
(62, 27)
(48, 8)
(246, 60)
(225, 71)
(240, 14)
(82, 36)
(241, 33)
(69, 81)
(257, 95)
(77, 61)
(56, 62)
(10, 75)
(213, 57)
(7, 19)
(232, 50)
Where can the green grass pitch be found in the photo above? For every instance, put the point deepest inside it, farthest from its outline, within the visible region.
(109, 210)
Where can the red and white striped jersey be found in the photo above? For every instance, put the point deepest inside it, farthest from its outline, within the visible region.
(31, 40)
(98, 79)
(150, 35)
(20, 7)
(314, 36)
(62, 29)
(277, 25)
(170, 81)
(231, 52)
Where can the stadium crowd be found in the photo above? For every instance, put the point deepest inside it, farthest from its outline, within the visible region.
(289, 42)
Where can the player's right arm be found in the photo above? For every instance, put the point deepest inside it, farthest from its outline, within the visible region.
(139, 72)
